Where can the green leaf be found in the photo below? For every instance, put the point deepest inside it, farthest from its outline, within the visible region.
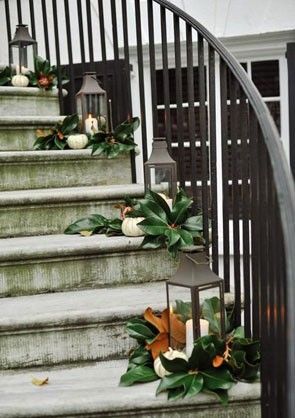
(152, 242)
(172, 381)
(200, 359)
(174, 366)
(194, 385)
(59, 144)
(186, 238)
(139, 374)
(194, 225)
(140, 332)
(180, 208)
(184, 310)
(211, 312)
(177, 393)
(150, 195)
(221, 394)
(217, 379)
(172, 237)
(151, 209)
(91, 223)
(69, 124)
(153, 226)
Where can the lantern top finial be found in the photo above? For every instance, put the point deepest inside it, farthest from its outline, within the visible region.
(22, 36)
(90, 85)
(160, 154)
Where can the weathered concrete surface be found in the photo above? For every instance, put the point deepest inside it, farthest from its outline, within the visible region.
(29, 101)
(17, 133)
(45, 169)
(50, 211)
(76, 326)
(63, 262)
(93, 391)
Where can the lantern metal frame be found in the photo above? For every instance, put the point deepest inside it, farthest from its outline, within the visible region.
(91, 87)
(160, 158)
(22, 40)
(194, 273)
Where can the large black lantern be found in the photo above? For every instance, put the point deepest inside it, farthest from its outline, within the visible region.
(160, 169)
(92, 105)
(194, 273)
(23, 50)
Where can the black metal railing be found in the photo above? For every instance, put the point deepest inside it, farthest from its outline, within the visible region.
(225, 137)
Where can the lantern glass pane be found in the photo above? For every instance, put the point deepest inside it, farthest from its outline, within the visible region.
(23, 58)
(161, 179)
(180, 312)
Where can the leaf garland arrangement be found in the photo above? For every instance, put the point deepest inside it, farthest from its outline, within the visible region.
(214, 365)
(45, 75)
(56, 137)
(118, 142)
(172, 228)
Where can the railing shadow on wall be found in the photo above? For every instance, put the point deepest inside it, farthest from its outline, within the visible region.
(229, 154)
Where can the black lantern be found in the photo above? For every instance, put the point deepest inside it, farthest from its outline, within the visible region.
(92, 105)
(194, 273)
(23, 50)
(160, 169)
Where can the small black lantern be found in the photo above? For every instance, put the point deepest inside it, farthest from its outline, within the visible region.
(160, 169)
(92, 105)
(23, 50)
(194, 273)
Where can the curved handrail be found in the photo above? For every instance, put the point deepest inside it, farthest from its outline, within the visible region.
(283, 179)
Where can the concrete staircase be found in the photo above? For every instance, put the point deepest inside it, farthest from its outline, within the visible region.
(65, 299)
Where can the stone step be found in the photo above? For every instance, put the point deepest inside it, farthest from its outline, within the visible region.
(17, 133)
(47, 169)
(73, 327)
(51, 263)
(50, 211)
(29, 101)
(94, 391)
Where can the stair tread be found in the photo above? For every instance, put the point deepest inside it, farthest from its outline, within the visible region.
(68, 194)
(62, 245)
(12, 121)
(51, 155)
(84, 306)
(94, 389)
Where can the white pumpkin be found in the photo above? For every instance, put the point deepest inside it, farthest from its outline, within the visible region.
(130, 228)
(170, 355)
(78, 141)
(20, 80)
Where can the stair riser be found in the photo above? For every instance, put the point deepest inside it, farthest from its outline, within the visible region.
(28, 102)
(64, 173)
(20, 138)
(49, 218)
(67, 345)
(82, 272)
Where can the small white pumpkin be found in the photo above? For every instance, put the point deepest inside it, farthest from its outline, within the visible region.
(78, 141)
(170, 355)
(20, 80)
(130, 228)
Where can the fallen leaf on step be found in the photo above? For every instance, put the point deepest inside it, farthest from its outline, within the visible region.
(86, 233)
(40, 382)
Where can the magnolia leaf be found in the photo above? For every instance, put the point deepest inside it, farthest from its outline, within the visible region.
(177, 393)
(91, 223)
(153, 226)
(172, 381)
(140, 331)
(193, 385)
(40, 382)
(183, 310)
(151, 241)
(217, 379)
(194, 224)
(161, 323)
(221, 394)
(139, 374)
(158, 199)
(175, 365)
(153, 210)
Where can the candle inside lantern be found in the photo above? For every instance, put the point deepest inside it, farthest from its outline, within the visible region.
(91, 125)
(204, 330)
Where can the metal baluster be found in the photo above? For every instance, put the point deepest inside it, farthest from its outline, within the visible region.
(153, 67)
